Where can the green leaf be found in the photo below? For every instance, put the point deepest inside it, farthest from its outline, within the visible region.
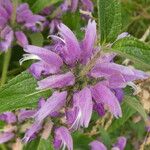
(45, 145)
(109, 19)
(81, 141)
(135, 104)
(20, 92)
(127, 112)
(41, 4)
(36, 39)
(133, 49)
(105, 137)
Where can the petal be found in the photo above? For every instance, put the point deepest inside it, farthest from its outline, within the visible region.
(57, 81)
(72, 51)
(121, 143)
(83, 100)
(46, 55)
(9, 117)
(74, 5)
(99, 108)
(107, 69)
(31, 132)
(96, 145)
(25, 114)
(41, 68)
(119, 94)
(6, 136)
(63, 135)
(21, 38)
(53, 104)
(87, 45)
(104, 95)
(88, 5)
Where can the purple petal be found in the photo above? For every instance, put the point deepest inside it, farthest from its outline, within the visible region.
(96, 145)
(7, 36)
(71, 51)
(99, 108)
(31, 132)
(87, 5)
(46, 55)
(41, 68)
(9, 117)
(121, 143)
(63, 139)
(74, 5)
(107, 69)
(104, 95)
(82, 109)
(87, 45)
(57, 81)
(53, 104)
(25, 114)
(21, 38)
(119, 94)
(6, 136)
(7, 5)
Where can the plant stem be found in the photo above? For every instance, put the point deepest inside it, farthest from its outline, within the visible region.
(7, 56)
(146, 34)
(5, 66)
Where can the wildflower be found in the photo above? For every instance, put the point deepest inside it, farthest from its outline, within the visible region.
(96, 145)
(120, 144)
(8, 117)
(81, 112)
(63, 139)
(6, 136)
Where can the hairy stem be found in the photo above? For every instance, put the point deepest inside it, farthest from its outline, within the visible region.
(5, 66)
(7, 56)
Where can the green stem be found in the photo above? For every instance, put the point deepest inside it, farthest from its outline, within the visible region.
(7, 56)
(5, 66)
(2, 146)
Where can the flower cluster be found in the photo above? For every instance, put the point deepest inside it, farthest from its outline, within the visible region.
(13, 20)
(84, 79)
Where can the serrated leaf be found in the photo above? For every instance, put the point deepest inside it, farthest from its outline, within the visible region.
(109, 20)
(127, 112)
(36, 39)
(41, 4)
(133, 49)
(81, 144)
(134, 103)
(20, 92)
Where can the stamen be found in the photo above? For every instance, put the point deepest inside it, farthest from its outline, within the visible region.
(57, 38)
(28, 57)
(135, 88)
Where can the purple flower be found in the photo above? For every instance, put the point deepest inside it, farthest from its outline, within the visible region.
(87, 5)
(8, 117)
(21, 38)
(97, 145)
(25, 114)
(53, 104)
(118, 76)
(99, 108)
(28, 19)
(32, 131)
(102, 94)
(71, 50)
(49, 62)
(6, 136)
(121, 143)
(81, 112)
(87, 45)
(63, 139)
(74, 5)
(7, 36)
(57, 81)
